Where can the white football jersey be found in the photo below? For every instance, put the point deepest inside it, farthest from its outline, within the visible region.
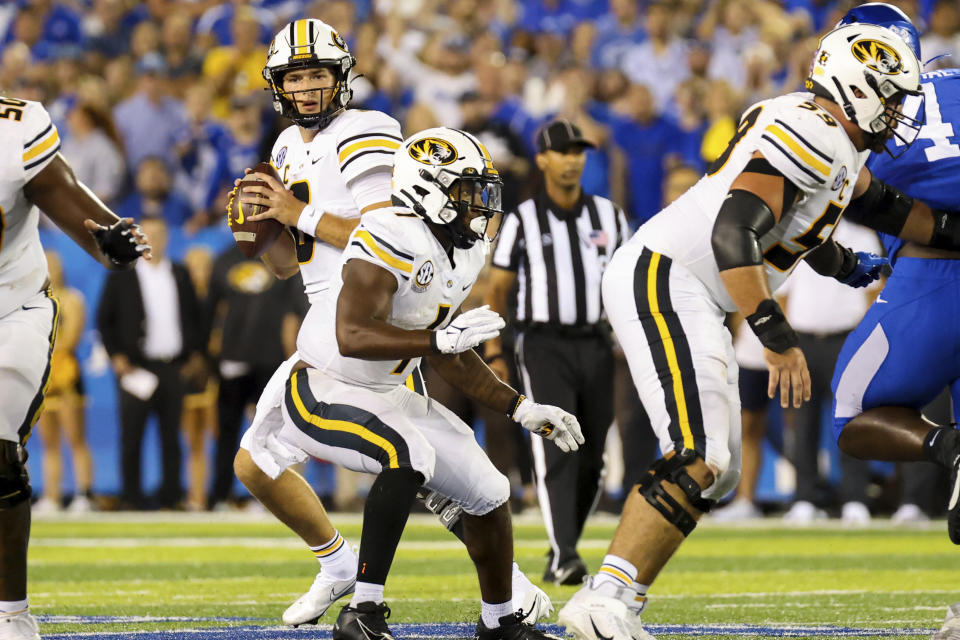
(31, 141)
(429, 291)
(804, 143)
(319, 172)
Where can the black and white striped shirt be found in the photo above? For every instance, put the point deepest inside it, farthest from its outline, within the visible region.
(559, 280)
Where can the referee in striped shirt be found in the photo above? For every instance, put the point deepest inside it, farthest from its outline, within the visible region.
(554, 248)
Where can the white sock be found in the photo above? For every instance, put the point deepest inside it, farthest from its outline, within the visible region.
(336, 557)
(615, 570)
(491, 613)
(13, 606)
(367, 592)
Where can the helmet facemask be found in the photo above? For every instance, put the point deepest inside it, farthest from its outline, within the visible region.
(473, 204)
(336, 97)
(894, 130)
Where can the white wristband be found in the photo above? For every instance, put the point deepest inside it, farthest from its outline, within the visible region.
(308, 220)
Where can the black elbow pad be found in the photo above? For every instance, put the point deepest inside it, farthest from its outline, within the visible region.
(742, 220)
(881, 207)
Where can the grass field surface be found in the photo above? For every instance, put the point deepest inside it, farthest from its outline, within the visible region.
(231, 576)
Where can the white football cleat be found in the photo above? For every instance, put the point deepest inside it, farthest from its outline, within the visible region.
(601, 612)
(19, 626)
(314, 603)
(529, 598)
(951, 625)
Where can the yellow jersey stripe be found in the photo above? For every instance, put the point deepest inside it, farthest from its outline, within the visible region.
(794, 146)
(342, 425)
(671, 351)
(366, 144)
(396, 263)
(40, 147)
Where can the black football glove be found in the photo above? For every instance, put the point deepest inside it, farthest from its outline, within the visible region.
(119, 244)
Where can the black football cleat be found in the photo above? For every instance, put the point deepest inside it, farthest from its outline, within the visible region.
(511, 627)
(571, 572)
(368, 621)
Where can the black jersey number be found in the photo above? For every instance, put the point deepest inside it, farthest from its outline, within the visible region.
(826, 117)
(14, 108)
(443, 311)
(301, 191)
(783, 258)
(745, 125)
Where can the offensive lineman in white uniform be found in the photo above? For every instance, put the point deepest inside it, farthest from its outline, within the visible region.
(403, 276)
(340, 163)
(771, 199)
(34, 176)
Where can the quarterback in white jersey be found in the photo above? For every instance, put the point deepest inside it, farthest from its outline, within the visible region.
(402, 279)
(34, 176)
(771, 199)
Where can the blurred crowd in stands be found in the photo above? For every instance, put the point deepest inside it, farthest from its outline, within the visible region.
(161, 103)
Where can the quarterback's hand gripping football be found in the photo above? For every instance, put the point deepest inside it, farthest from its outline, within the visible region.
(468, 330)
(279, 202)
(868, 268)
(551, 423)
(122, 242)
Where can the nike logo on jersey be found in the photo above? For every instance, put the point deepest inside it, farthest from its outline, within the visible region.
(597, 631)
(468, 285)
(26, 308)
(316, 161)
(881, 300)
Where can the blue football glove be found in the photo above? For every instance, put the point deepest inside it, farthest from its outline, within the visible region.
(867, 269)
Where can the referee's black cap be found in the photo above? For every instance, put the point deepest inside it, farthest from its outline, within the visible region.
(560, 135)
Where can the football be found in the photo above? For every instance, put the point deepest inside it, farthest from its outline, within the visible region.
(253, 238)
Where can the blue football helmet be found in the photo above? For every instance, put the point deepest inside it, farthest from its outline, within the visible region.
(887, 16)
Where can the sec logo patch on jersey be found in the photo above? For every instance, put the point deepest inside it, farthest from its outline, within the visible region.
(424, 276)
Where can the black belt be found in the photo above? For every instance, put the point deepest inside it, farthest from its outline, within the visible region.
(599, 330)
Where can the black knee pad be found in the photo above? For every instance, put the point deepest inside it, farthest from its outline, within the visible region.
(445, 508)
(673, 470)
(14, 480)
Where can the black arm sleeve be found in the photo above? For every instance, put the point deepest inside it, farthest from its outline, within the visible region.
(832, 260)
(742, 220)
(881, 207)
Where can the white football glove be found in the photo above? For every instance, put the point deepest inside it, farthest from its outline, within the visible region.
(468, 330)
(551, 423)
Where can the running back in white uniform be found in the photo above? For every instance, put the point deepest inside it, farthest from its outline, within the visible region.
(325, 173)
(359, 413)
(804, 143)
(672, 329)
(27, 313)
(430, 290)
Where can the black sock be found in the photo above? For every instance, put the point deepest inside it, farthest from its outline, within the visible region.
(384, 517)
(942, 446)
